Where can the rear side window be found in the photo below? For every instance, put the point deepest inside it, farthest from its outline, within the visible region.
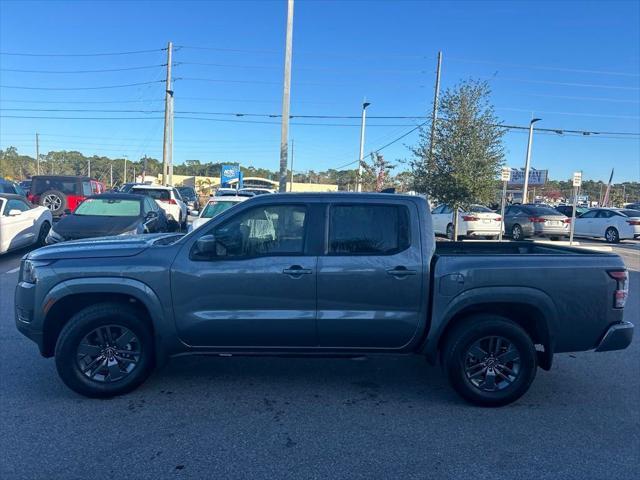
(66, 186)
(368, 229)
(154, 193)
(86, 189)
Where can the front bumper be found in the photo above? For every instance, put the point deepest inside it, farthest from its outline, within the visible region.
(617, 337)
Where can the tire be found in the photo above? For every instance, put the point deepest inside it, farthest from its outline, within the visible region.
(54, 200)
(476, 385)
(611, 235)
(42, 234)
(516, 233)
(450, 231)
(91, 328)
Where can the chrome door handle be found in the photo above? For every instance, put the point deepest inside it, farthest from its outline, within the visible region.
(296, 270)
(401, 272)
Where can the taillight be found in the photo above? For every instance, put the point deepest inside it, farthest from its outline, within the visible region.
(470, 218)
(171, 201)
(566, 220)
(498, 219)
(633, 222)
(622, 288)
(536, 220)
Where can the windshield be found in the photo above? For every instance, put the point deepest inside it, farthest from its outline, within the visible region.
(109, 207)
(155, 193)
(187, 192)
(216, 208)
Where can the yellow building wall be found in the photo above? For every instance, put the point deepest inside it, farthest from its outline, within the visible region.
(214, 182)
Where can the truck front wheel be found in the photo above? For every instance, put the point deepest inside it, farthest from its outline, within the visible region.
(104, 350)
(489, 360)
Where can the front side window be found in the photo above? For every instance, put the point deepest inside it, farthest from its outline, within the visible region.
(111, 207)
(267, 230)
(15, 204)
(368, 229)
(589, 214)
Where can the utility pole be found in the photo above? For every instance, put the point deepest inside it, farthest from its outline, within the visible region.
(528, 160)
(37, 154)
(171, 147)
(167, 116)
(111, 175)
(124, 175)
(434, 114)
(88, 167)
(286, 99)
(365, 104)
(291, 172)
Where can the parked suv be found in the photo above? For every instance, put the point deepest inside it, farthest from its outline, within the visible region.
(167, 198)
(62, 192)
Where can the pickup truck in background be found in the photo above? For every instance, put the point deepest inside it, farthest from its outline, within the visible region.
(319, 275)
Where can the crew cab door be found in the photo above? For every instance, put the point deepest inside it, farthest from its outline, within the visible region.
(585, 223)
(258, 289)
(370, 276)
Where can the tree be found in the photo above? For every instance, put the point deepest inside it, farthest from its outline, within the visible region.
(461, 167)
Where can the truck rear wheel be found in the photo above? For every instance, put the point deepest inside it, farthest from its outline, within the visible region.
(104, 350)
(489, 360)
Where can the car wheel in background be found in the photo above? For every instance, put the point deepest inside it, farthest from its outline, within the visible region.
(489, 360)
(516, 232)
(450, 231)
(612, 235)
(55, 201)
(42, 234)
(105, 350)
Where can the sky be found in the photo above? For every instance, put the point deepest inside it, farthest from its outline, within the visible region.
(575, 65)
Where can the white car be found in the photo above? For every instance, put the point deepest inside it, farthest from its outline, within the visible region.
(476, 221)
(214, 207)
(168, 198)
(22, 224)
(612, 224)
(257, 190)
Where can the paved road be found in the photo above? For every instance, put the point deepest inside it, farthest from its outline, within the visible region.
(280, 418)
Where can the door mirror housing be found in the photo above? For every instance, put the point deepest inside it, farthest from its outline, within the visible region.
(194, 213)
(67, 211)
(206, 246)
(151, 216)
(15, 212)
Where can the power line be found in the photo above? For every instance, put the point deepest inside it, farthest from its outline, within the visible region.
(545, 67)
(563, 84)
(569, 97)
(122, 69)
(18, 87)
(134, 52)
(2, 100)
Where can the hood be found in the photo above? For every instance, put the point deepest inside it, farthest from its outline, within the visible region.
(101, 247)
(85, 226)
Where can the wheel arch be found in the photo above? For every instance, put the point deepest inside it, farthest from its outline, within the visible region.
(69, 297)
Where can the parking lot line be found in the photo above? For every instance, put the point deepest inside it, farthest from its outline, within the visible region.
(13, 270)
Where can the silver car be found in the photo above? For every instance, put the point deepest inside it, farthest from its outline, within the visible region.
(521, 221)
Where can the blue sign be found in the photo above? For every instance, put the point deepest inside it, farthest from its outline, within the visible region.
(229, 173)
(536, 177)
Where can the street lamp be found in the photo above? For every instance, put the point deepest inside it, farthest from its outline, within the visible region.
(526, 165)
(361, 157)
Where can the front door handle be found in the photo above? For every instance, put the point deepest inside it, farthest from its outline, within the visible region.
(401, 272)
(296, 271)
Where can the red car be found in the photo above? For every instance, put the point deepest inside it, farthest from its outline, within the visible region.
(62, 192)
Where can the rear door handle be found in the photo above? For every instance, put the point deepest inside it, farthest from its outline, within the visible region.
(401, 272)
(296, 270)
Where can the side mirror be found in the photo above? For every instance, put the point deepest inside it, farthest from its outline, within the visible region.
(15, 212)
(151, 216)
(194, 213)
(173, 226)
(206, 246)
(67, 211)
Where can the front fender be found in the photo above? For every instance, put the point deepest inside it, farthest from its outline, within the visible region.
(488, 299)
(161, 316)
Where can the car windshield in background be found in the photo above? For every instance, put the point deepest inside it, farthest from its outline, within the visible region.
(187, 192)
(155, 193)
(216, 208)
(542, 211)
(104, 207)
(480, 209)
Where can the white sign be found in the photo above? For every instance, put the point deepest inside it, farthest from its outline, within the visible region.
(506, 174)
(577, 179)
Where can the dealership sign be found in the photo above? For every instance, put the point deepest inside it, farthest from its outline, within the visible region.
(230, 173)
(536, 177)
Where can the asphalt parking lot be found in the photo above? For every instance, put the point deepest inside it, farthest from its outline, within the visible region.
(205, 417)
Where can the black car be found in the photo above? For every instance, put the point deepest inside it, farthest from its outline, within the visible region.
(567, 210)
(190, 197)
(110, 214)
(7, 186)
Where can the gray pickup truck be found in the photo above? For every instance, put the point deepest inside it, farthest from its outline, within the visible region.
(319, 275)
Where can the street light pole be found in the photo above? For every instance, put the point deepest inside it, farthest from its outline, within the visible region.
(528, 161)
(361, 157)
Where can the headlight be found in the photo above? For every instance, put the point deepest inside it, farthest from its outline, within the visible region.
(53, 237)
(29, 270)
